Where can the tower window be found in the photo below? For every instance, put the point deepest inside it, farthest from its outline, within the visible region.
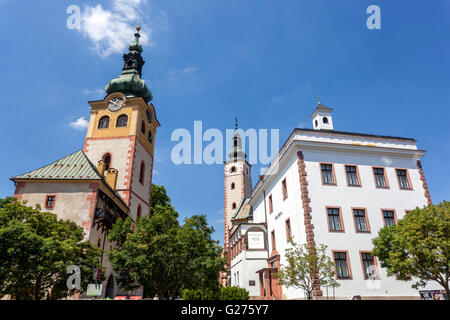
(233, 169)
(107, 161)
(150, 136)
(233, 186)
(325, 120)
(234, 206)
(284, 189)
(317, 123)
(142, 173)
(270, 204)
(149, 116)
(139, 211)
(235, 142)
(122, 121)
(143, 127)
(103, 123)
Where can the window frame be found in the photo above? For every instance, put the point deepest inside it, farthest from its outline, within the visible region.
(333, 174)
(366, 217)
(408, 179)
(46, 201)
(341, 220)
(100, 121)
(349, 267)
(358, 178)
(288, 226)
(270, 204)
(284, 189)
(375, 262)
(142, 173)
(382, 216)
(273, 240)
(386, 180)
(123, 115)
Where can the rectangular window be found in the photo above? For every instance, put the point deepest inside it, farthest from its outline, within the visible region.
(352, 176)
(284, 187)
(334, 219)
(273, 240)
(369, 267)
(270, 204)
(288, 230)
(360, 217)
(403, 180)
(341, 263)
(389, 218)
(327, 174)
(380, 179)
(50, 202)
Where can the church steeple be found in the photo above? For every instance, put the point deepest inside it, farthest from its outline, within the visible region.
(129, 82)
(236, 153)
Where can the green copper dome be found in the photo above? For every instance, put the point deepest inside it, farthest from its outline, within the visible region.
(129, 82)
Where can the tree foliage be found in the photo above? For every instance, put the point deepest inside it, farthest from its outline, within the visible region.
(418, 246)
(224, 293)
(163, 256)
(36, 249)
(306, 268)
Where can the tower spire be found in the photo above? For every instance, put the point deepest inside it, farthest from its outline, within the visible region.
(129, 82)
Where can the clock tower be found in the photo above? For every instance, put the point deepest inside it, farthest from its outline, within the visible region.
(121, 135)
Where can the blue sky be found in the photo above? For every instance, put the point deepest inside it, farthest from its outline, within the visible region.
(262, 61)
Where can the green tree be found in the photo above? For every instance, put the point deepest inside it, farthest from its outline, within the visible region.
(307, 267)
(418, 246)
(163, 256)
(36, 249)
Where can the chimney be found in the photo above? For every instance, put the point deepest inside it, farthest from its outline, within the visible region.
(111, 177)
(101, 167)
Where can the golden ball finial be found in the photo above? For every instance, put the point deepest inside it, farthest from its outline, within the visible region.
(138, 26)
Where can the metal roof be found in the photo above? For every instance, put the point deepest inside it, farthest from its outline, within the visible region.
(73, 167)
(245, 210)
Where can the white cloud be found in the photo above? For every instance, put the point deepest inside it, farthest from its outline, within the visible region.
(188, 70)
(80, 124)
(96, 93)
(110, 31)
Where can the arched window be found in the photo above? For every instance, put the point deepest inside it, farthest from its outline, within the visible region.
(150, 136)
(233, 186)
(234, 205)
(107, 160)
(143, 127)
(142, 173)
(122, 121)
(139, 211)
(325, 120)
(316, 123)
(104, 122)
(233, 169)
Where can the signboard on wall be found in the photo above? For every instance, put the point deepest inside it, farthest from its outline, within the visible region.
(255, 240)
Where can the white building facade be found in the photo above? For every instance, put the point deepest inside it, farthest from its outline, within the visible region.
(333, 188)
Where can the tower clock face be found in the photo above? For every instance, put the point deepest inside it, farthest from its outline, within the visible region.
(115, 104)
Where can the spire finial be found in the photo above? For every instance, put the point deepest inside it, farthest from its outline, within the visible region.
(138, 25)
(236, 125)
(318, 100)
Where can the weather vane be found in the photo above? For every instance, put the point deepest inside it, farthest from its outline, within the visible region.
(318, 100)
(138, 26)
(236, 124)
